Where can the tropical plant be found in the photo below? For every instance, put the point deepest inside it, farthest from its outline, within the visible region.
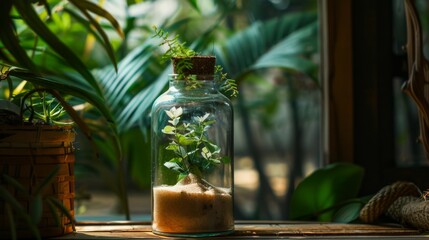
(32, 52)
(117, 98)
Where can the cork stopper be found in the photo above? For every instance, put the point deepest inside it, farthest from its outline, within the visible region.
(201, 65)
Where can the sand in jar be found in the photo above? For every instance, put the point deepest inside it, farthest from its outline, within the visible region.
(192, 208)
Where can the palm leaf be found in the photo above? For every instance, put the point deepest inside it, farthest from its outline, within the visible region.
(134, 75)
(60, 206)
(46, 181)
(116, 86)
(31, 18)
(11, 220)
(10, 40)
(94, 8)
(281, 42)
(104, 39)
(17, 207)
(140, 104)
(288, 52)
(13, 182)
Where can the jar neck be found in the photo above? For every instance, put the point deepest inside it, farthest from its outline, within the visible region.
(198, 84)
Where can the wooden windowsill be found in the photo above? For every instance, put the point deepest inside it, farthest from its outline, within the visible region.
(253, 229)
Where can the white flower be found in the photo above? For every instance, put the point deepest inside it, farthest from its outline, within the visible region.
(203, 118)
(174, 112)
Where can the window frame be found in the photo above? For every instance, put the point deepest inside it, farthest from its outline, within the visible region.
(357, 73)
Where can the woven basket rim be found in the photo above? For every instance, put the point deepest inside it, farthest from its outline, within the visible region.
(38, 126)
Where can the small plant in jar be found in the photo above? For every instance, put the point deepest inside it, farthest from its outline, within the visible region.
(194, 152)
(192, 147)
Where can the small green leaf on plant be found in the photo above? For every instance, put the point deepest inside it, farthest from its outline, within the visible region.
(173, 166)
(183, 140)
(169, 130)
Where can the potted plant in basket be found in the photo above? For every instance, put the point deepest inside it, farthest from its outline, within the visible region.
(36, 151)
(192, 147)
(36, 165)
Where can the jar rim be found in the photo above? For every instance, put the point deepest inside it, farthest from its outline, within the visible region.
(178, 77)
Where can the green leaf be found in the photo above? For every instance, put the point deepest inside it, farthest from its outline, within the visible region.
(194, 4)
(348, 213)
(17, 207)
(18, 186)
(324, 188)
(169, 130)
(226, 160)
(182, 152)
(11, 220)
(141, 102)
(282, 42)
(174, 166)
(36, 208)
(215, 161)
(59, 205)
(47, 180)
(54, 212)
(172, 146)
(71, 84)
(105, 40)
(87, 5)
(183, 140)
(215, 149)
(182, 176)
(31, 18)
(9, 37)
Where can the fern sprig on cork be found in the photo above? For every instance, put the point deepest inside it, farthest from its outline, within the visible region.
(178, 50)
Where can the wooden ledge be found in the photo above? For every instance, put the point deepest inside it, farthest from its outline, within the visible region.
(253, 229)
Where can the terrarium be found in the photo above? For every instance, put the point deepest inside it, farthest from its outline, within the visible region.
(192, 153)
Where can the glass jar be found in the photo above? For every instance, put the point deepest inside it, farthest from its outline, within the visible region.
(192, 160)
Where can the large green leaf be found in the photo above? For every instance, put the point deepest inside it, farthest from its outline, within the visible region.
(288, 52)
(94, 8)
(9, 38)
(28, 14)
(141, 103)
(85, 7)
(116, 86)
(325, 188)
(130, 92)
(281, 42)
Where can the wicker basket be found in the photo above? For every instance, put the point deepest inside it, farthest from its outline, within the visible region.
(29, 154)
